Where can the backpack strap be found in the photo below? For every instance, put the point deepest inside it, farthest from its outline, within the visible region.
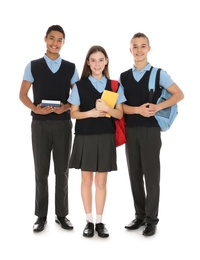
(152, 79)
(114, 85)
(152, 82)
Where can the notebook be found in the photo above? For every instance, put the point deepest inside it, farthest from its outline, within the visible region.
(110, 98)
(52, 103)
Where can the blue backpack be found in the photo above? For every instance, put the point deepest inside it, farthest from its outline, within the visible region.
(165, 117)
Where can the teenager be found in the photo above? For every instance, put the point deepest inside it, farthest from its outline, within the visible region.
(94, 147)
(143, 133)
(51, 78)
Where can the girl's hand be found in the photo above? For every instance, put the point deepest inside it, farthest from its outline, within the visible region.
(101, 105)
(97, 113)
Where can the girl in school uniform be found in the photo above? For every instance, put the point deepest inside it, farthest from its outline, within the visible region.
(94, 147)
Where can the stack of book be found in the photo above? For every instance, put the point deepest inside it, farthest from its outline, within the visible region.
(51, 103)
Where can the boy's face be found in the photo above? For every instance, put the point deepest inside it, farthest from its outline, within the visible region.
(139, 47)
(54, 42)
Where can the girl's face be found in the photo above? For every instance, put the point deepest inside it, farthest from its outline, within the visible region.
(140, 48)
(54, 42)
(97, 62)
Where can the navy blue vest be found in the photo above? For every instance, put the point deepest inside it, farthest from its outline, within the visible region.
(137, 93)
(88, 96)
(51, 86)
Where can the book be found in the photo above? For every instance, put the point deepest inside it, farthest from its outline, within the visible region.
(51, 103)
(110, 98)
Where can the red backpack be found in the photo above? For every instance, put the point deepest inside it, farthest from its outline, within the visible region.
(120, 134)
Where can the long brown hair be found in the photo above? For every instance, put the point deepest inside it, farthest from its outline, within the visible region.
(86, 69)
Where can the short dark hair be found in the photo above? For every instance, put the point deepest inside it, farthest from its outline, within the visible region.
(139, 35)
(55, 28)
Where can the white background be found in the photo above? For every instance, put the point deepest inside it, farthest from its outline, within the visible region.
(173, 29)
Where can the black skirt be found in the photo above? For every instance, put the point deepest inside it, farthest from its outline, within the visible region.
(94, 153)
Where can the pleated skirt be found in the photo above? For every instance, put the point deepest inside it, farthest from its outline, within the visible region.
(94, 153)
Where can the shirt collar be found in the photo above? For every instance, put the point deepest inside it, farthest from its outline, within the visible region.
(48, 60)
(94, 81)
(146, 68)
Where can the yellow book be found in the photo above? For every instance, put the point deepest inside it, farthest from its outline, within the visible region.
(110, 98)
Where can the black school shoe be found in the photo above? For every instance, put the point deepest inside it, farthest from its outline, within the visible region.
(101, 230)
(149, 230)
(88, 230)
(135, 224)
(64, 222)
(39, 225)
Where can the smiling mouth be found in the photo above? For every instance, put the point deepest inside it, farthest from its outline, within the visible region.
(53, 47)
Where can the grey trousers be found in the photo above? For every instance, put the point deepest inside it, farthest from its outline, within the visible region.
(51, 139)
(143, 160)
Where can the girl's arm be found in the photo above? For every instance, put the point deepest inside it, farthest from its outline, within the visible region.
(77, 114)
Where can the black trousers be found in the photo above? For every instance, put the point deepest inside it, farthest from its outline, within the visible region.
(143, 160)
(51, 138)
